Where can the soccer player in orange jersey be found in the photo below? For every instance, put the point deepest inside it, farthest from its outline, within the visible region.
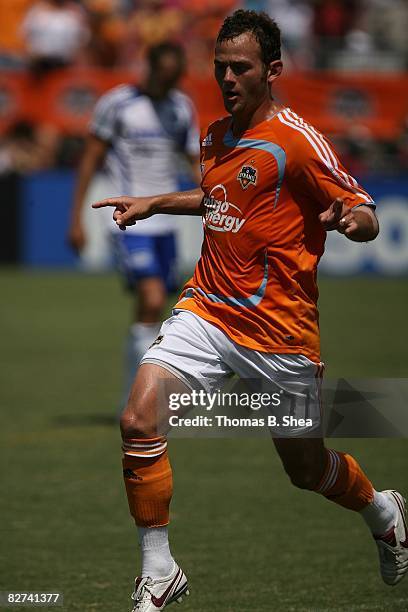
(272, 186)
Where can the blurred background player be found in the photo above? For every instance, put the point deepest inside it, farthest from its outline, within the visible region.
(140, 132)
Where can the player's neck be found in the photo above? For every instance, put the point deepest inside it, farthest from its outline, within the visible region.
(153, 90)
(264, 112)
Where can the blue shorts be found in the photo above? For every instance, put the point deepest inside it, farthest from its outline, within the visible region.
(143, 256)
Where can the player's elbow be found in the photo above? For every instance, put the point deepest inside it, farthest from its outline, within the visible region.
(368, 224)
(376, 229)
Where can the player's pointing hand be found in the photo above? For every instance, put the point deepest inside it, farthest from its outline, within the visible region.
(128, 210)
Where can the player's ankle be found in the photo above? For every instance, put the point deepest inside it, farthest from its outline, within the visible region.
(157, 560)
(380, 514)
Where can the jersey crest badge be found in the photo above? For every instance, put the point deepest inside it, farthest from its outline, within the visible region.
(247, 176)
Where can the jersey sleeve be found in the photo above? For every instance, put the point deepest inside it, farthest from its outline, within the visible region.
(315, 171)
(103, 121)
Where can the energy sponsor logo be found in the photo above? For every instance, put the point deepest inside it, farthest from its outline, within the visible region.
(221, 215)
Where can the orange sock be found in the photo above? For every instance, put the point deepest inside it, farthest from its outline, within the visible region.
(345, 483)
(148, 480)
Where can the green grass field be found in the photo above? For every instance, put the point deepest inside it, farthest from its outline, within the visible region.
(248, 540)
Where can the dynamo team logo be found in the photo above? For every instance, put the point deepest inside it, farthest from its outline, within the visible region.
(247, 176)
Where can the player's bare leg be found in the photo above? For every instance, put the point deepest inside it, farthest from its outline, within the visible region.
(148, 479)
(147, 311)
(338, 477)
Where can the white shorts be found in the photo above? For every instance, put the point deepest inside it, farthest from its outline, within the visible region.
(202, 356)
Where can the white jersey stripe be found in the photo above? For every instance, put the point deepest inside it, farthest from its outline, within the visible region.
(334, 166)
(330, 159)
(350, 179)
(317, 146)
(323, 151)
(324, 144)
(290, 115)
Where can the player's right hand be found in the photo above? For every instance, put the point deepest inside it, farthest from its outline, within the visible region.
(76, 237)
(128, 210)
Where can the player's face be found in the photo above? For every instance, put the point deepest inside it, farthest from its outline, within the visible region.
(241, 74)
(168, 72)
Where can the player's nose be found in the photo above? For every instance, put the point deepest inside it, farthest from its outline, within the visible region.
(229, 76)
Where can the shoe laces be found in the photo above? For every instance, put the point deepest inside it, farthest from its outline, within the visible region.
(142, 594)
(389, 554)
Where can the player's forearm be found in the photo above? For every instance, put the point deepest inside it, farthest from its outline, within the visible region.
(367, 226)
(178, 203)
(92, 157)
(85, 174)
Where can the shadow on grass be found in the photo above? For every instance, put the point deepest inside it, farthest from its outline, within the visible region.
(86, 420)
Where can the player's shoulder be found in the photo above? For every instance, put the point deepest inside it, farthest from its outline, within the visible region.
(296, 134)
(300, 140)
(183, 105)
(179, 97)
(118, 95)
(215, 130)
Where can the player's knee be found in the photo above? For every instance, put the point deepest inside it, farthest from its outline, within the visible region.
(135, 424)
(152, 307)
(304, 476)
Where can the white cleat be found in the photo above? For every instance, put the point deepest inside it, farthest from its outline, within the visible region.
(393, 546)
(151, 594)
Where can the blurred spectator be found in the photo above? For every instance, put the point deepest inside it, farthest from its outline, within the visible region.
(27, 148)
(202, 23)
(55, 33)
(387, 22)
(402, 148)
(107, 25)
(149, 23)
(333, 19)
(11, 44)
(294, 17)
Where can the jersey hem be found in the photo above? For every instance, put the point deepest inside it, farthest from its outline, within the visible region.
(256, 346)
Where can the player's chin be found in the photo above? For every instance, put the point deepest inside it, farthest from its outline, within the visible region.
(232, 105)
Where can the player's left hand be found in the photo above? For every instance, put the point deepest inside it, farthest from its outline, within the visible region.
(339, 217)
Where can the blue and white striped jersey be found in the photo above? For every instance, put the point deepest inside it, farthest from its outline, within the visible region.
(146, 138)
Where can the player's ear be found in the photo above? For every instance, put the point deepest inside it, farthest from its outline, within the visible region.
(274, 70)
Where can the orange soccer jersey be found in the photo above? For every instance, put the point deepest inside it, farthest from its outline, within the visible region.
(263, 192)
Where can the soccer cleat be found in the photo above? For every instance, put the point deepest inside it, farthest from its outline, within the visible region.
(393, 546)
(151, 594)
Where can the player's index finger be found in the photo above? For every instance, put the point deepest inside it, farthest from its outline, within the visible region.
(103, 203)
